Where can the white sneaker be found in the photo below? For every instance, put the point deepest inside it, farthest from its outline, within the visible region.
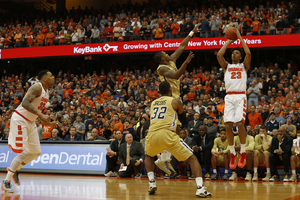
(6, 187)
(108, 174)
(233, 176)
(162, 165)
(201, 192)
(255, 177)
(248, 177)
(114, 174)
(169, 165)
(152, 187)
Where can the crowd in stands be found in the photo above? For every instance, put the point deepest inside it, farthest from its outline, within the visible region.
(115, 107)
(84, 26)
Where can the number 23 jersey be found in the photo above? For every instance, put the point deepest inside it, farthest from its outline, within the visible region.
(235, 78)
(163, 116)
(38, 103)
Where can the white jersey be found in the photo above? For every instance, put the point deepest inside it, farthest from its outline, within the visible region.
(38, 103)
(235, 78)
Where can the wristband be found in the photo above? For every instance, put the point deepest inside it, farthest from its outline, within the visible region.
(191, 33)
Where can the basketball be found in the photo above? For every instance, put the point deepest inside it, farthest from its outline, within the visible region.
(230, 34)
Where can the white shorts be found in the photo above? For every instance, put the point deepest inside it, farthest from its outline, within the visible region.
(23, 135)
(235, 108)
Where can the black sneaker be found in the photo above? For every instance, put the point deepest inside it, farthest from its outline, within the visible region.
(274, 178)
(6, 187)
(226, 177)
(214, 176)
(175, 175)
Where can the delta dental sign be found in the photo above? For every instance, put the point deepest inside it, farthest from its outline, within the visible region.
(147, 46)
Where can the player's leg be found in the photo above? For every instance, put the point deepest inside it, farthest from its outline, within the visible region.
(249, 159)
(293, 168)
(240, 119)
(214, 159)
(267, 163)
(226, 165)
(230, 139)
(149, 164)
(255, 165)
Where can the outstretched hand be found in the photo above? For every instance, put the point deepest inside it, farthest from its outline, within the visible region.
(190, 57)
(196, 30)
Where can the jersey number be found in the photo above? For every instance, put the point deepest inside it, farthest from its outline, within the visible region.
(161, 114)
(42, 106)
(236, 75)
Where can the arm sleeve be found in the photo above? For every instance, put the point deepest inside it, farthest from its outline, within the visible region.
(214, 149)
(182, 118)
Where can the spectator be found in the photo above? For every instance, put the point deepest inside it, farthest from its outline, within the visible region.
(117, 32)
(280, 153)
(202, 144)
(291, 129)
(193, 126)
(40, 39)
(6, 134)
(55, 136)
(132, 156)
(296, 120)
(73, 136)
(204, 28)
(152, 93)
(80, 127)
(18, 37)
(112, 155)
(262, 152)
(128, 129)
(175, 29)
(220, 155)
(103, 34)
(254, 118)
(95, 34)
(158, 32)
(280, 26)
(50, 37)
(211, 128)
(214, 24)
(253, 92)
(116, 124)
(95, 136)
(68, 37)
(272, 123)
(255, 26)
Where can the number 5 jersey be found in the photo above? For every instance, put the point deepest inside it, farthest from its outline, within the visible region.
(38, 103)
(235, 78)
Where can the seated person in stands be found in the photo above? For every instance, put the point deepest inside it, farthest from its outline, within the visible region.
(95, 136)
(249, 154)
(132, 156)
(280, 153)
(112, 155)
(6, 134)
(220, 155)
(295, 158)
(291, 129)
(262, 144)
(73, 136)
(54, 134)
(202, 144)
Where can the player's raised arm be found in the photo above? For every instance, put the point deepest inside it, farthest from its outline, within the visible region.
(220, 55)
(247, 51)
(164, 71)
(183, 44)
(34, 92)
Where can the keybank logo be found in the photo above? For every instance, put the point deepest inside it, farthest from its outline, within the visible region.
(88, 49)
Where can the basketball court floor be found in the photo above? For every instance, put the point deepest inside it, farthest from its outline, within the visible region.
(71, 187)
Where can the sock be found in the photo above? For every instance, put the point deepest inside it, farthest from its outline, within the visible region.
(151, 176)
(226, 171)
(9, 175)
(165, 156)
(255, 169)
(232, 150)
(293, 171)
(199, 181)
(215, 171)
(268, 170)
(243, 148)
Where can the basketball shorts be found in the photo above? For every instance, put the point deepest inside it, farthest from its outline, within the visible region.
(158, 141)
(235, 108)
(261, 157)
(23, 135)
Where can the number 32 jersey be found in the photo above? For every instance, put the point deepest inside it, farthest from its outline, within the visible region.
(163, 116)
(235, 78)
(38, 103)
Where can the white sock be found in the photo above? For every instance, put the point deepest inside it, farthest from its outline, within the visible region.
(226, 171)
(9, 175)
(268, 170)
(232, 150)
(151, 176)
(293, 171)
(199, 181)
(243, 148)
(215, 171)
(255, 169)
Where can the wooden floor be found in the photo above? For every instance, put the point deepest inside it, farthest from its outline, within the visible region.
(65, 187)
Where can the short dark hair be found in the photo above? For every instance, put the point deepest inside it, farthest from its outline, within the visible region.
(164, 87)
(42, 73)
(158, 56)
(222, 129)
(240, 50)
(264, 127)
(73, 127)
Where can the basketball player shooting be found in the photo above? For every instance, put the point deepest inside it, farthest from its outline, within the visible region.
(23, 137)
(235, 100)
(168, 71)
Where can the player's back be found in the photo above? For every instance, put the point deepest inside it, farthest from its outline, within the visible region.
(163, 116)
(235, 78)
(38, 103)
(174, 82)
